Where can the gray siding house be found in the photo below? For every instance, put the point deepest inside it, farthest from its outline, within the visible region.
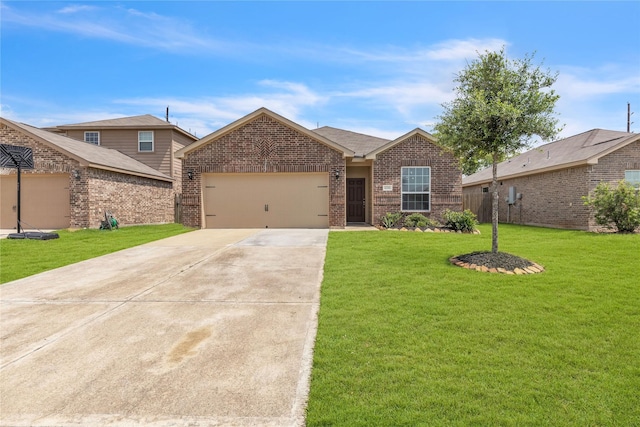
(145, 138)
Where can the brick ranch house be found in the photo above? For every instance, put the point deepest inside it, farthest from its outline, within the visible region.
(73, 183)
(145, 138)
(264, 170)
(544, 186)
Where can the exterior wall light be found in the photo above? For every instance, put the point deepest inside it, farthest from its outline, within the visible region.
(190, 174)
(76, 174)
(337, 173)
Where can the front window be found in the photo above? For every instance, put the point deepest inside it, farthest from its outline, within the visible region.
(92, 137)
(633, 178)
(145, 141)
(416, 188)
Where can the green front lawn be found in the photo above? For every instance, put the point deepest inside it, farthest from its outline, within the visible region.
(406, 339)
(22, 258)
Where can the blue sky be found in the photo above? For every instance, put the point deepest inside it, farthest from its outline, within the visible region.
(380, 68)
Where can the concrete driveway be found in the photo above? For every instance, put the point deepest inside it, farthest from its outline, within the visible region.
(209, 328)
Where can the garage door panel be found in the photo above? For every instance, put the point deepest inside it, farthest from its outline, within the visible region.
(266, 200)
(45, 201)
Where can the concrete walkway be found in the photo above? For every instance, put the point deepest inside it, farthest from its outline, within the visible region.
(209, 328)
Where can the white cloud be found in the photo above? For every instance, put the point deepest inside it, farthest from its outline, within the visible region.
(76, 8)
(468, 49)
(577, 87)
(122, 25)
(403, 97)
(448, 50)
(406, 84)
(206, 114)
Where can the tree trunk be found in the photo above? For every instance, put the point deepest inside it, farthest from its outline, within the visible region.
(494, 206)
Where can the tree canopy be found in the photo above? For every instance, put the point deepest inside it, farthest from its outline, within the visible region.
(500, 106)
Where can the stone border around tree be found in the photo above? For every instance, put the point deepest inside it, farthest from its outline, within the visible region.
(426, 230)
(532, 269)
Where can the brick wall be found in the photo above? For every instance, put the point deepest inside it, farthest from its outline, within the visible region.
(554, 199)
(446, 177)
(133, 200)
(263, 145)
(551, 199)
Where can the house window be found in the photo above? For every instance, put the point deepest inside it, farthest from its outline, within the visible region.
(145, 140)
(92, 137)
(633, 178)
(416, 188)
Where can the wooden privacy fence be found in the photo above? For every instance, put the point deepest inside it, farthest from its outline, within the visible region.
(479, 204)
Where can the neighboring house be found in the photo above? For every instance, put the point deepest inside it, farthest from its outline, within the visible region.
(73, 183)
(544, 186)
(145, 138)
(264, 170)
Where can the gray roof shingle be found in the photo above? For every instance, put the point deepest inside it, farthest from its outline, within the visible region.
(146, 120)
(92, 155)
(581, 149)
(358, 142)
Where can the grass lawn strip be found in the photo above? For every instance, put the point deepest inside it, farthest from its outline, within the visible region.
(22, 258)
(406, 338)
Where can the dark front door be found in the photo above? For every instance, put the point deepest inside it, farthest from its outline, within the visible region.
(355, 200)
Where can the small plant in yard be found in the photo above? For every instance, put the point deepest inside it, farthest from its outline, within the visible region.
(390, 219)
(460, 221)
(615, 207)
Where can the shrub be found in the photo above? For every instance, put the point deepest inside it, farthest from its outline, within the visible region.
(418, 220)
(460, 221)
(618, 206)
(390, 219)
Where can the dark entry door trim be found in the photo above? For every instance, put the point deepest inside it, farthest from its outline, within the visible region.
(355, 200)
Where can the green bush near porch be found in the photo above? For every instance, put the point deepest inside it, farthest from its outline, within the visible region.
(405, 338)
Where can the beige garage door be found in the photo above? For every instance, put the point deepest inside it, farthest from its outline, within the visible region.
(283, 200)
(45, 201)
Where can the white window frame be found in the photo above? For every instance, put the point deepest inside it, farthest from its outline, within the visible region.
(140, 140)
(409, 188)
(92, 132)
(636, 180)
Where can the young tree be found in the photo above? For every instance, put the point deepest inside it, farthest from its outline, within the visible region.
(500, 106)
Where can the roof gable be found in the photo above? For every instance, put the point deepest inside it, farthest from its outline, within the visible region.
(88, 155)
(582, 149)
(390, 144)
(212, 137)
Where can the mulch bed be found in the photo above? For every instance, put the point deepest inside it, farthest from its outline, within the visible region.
(500, 262)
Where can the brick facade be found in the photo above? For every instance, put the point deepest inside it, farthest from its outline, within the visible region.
(446, 178)
(132, 199)
(263, 145)
(554, 199)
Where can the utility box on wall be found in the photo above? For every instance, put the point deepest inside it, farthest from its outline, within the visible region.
(511, 199)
